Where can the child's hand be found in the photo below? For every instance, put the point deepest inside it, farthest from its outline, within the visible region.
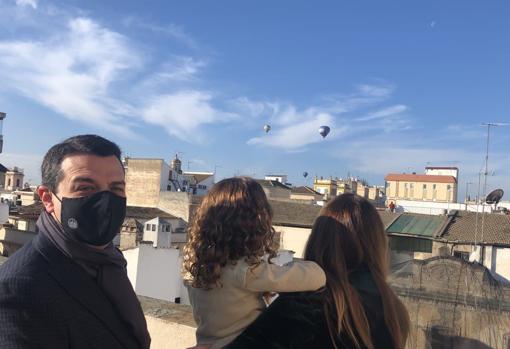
(269, 297)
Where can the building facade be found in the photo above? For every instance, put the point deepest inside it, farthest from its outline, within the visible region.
(14, 179)
(435, 188)
(326, 187)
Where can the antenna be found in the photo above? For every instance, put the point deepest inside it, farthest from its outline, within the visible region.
(486, 173)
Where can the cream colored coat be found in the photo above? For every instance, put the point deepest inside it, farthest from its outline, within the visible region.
(223, 313)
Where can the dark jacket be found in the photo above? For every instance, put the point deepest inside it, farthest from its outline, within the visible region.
(47, 301)
(297, 321)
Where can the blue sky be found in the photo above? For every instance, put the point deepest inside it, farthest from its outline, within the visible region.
(402, 84)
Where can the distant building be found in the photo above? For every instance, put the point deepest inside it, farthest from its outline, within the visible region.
(442, 171)
(197, 183)
(345, 186)
(374, 193)
(305, 193)
(279, 178)
(26, 196)
(147, 178)
(326, 187)
(274, 189)
(14, 179)
(362, 189)
(425, 187)
(3, 171)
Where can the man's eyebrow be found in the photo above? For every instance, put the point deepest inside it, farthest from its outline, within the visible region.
(118, 183)
(83, 179)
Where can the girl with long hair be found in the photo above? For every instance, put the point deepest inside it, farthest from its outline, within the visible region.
(357, 308)
(227, 261)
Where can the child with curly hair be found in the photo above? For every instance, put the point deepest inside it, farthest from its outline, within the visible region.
(227, 261)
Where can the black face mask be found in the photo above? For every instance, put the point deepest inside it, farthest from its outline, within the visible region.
(93, 219)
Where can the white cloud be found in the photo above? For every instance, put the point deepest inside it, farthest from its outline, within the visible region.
(182, 113)
(170, 30)
(71, 73)
(293, 131)
(384, 113)
(31, 3)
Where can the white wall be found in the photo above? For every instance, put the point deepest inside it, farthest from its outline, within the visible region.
(155, 272)
(165, 170)
(293, 239)
(435, 208)
(497, 260)
(4, 213)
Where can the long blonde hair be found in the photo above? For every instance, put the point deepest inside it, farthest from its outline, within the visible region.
(349, 235)
(233, 221)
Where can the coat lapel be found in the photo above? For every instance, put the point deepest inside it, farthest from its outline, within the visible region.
(82, 288)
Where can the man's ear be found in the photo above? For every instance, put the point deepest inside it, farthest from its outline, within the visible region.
(46, 198)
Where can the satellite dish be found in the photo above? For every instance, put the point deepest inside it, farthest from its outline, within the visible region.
(305, 174)
(267, 128)
(494, 196)
(324, 131)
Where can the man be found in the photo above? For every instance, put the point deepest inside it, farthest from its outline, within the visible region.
(68, 287)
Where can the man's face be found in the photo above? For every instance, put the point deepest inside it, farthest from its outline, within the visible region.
(84, 175)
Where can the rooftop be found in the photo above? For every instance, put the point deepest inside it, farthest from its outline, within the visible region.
(417, 225)
(420, 178)
(304, 190)
(199, 176)
(294, 214)
(140, 212)
(464, 228)
(265, 183)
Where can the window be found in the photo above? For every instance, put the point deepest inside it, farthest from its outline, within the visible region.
(448, 192)
(410, 244)
(168, 227)
(434, 192)
(412, 190)
(461, 255)
(147, 227)
(406, 189)
(424, 196)
(17, 183)
(9, 182)
(153, 227)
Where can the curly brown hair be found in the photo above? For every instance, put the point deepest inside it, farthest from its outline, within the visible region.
(233, 221)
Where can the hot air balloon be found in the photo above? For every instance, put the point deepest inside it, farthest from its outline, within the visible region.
(324, 131)
(267, 128)
(305, 174)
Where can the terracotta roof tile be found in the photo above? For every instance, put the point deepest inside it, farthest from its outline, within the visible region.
(420, 178)
(464, 228)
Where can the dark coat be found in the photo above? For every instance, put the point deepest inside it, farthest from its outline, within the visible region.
(297, 321)
(47, 301)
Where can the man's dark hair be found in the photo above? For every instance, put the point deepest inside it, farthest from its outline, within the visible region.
(83, 144)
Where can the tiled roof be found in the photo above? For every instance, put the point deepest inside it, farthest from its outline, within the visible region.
(387, 217)
(304, 190)
(199, 177)
(463, 228)
(139, 212)
(420, 178)
(27, 212)
(269, 184)
(3, 168)
(294, 214)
